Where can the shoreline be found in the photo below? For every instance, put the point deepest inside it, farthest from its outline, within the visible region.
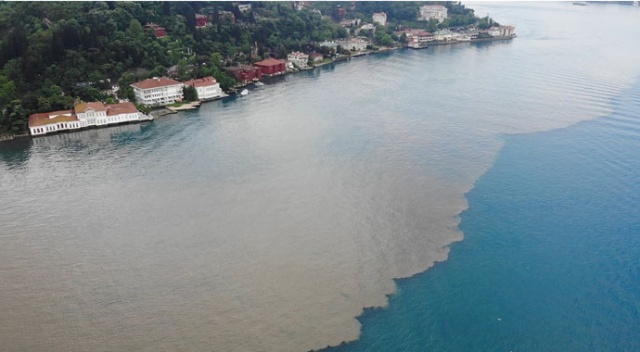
(169, 110)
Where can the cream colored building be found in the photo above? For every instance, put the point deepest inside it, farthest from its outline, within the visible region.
(437, 12)
(157, 91)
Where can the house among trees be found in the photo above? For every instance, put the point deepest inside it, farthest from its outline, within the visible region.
(157, 91)
(380, 18)
(355, 44)
(437, 12)
(201, 21)
(208, 88)
(272, 66)
(83, 115)
(244, 8)
(158, 31)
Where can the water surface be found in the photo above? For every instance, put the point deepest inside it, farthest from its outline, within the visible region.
(268, 222)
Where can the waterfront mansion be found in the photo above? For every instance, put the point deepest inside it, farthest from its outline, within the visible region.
(162, 91)
(157, 91)
(84, 115)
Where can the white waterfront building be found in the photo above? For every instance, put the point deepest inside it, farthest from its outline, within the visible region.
(84, 115)
(437, 12)
(208, 88)
(157, 91)
(298, 59)
(356, 44)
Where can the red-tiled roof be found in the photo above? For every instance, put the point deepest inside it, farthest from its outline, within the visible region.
(83, 107)
(47, 118)
(240, 68)
(202, 82)
(155, 83)
(270, 62)
(121, 108)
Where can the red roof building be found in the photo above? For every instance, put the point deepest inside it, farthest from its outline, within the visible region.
(46, 118)
(272, 66)
(82, 116)
(207, 87)
(158, 31)
(155, 83)
(157, 91)
(121, 108)
(245, 73)
(201, 21)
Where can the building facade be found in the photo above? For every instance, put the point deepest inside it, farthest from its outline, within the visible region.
(298, 59)
(158, 31)
(83, 115)
(157, 91)
(354, 44)
(272, 66)
(208, 88)
(507, 31)
(244, 73)
(419, 39)
(437, 12)
(201, 21)
(380, 18)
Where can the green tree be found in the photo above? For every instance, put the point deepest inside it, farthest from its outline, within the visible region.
(189, 93)
(7, 91)
(14, 118)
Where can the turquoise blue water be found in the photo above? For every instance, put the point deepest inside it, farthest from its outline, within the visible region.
(551, 255)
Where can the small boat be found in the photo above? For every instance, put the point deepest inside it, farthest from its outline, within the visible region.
(580, 3)
(259, 84)
(244, 92)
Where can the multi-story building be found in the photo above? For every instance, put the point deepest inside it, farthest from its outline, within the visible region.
(244, 73)
(437, 12)
(355, 44)
(419, 39)
(507, 31)
(272, 66)
(84, 115)
(298, 59)
(208, 88)
(380, 18)
(157, 91)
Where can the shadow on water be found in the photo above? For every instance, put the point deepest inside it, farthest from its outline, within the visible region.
(15, 153)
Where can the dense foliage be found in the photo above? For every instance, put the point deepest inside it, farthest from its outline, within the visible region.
(53, 53)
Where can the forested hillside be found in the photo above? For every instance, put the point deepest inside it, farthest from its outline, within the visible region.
(52, 53)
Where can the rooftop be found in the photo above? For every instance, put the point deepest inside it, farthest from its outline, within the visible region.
(270, 62)
(202, 82)
(95, 106)
(121, 108)
(155, 83)
(46, 118)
